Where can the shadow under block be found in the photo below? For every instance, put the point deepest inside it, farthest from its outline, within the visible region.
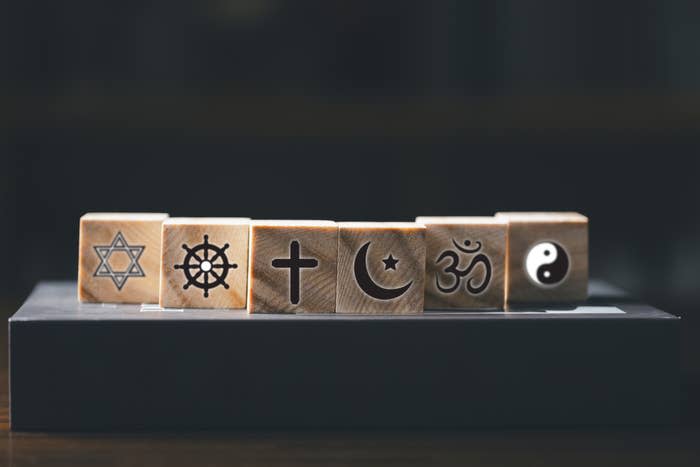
(204, 263)
(119, 257)
(465, 262)
(547, 257)
(82, 367)
(292, 267)
(381, 267)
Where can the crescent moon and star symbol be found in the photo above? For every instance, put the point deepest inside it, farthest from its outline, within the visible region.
(368, 285)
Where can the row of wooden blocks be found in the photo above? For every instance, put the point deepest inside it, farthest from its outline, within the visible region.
(329, 267)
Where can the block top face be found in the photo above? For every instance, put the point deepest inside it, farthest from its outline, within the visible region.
(124, 216)
(285, 224)
(207, 221)
(525, 217)
(381, 225)
(460, 220)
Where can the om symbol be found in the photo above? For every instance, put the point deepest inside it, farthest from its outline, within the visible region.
(459, 274)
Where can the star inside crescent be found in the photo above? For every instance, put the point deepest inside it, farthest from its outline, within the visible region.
(105, 269)
(390, 263)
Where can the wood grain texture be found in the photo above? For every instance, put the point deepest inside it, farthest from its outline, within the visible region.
(383, 243)
(529, 229)
(119, 257)
(181, 234)
(273, 286)
(459, 285)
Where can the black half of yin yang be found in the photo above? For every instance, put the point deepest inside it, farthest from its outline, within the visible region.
(554, 272)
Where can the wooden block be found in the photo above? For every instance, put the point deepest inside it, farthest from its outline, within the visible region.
(381, 267)
(547, 257)
(465, 263)
(205, 263)
(293, 267)
(119, 257)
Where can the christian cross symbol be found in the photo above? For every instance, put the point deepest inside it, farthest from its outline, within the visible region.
(294, 263)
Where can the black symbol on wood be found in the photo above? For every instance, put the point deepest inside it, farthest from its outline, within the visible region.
(105, 268)
(390, 262)
(206, 266)
(294, 263)
(459, 274)
(368, 285)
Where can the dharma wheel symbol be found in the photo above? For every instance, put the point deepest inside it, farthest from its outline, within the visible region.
(206, 266)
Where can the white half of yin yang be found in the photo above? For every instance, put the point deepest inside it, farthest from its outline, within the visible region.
(541, 254)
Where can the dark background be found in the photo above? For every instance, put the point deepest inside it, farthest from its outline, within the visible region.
(354, 110)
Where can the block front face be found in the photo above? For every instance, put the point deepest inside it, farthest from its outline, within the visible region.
(204, 263)
(465, 262)
(381, 268)
(293, 267)
(119, 257)
(548, 257)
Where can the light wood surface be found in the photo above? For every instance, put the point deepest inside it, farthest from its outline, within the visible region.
(292, 267)
(465, 265)
(119, 257)
(215, 252)
(529, 232)
(381, 268)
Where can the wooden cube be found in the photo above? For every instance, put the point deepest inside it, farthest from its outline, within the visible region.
(547, 257)
(119, 257)
(465, 262)
(293, 267)
(204, 263)
(381, 267)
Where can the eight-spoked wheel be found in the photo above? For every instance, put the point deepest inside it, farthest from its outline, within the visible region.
(206, 266)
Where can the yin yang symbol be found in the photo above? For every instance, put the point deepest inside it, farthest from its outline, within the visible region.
(547, 264)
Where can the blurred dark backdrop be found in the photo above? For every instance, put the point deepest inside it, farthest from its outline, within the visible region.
(356, 110)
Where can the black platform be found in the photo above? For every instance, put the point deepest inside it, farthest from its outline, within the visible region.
(126, 367)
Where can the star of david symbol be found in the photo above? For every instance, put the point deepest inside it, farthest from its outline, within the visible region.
(105, 269)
